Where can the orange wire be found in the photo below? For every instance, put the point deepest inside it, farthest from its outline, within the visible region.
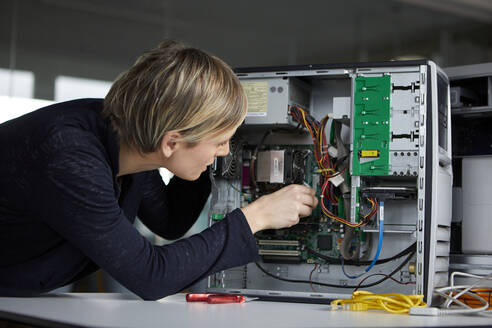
(485, 293)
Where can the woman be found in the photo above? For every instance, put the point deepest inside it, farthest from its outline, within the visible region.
(73, 177)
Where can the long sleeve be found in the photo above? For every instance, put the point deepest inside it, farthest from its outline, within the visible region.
(76, 198)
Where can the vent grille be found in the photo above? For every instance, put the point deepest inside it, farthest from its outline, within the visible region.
(441, 261)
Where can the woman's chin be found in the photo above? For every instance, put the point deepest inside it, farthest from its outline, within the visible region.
(189, 177)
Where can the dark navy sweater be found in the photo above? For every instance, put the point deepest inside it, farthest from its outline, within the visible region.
(63, 212)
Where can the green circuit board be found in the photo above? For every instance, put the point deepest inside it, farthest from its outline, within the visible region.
(371, 126)
(315, 232)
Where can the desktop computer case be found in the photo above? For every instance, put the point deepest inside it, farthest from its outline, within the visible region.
(411, 172)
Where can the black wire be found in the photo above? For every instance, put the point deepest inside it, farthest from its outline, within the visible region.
(293, 280)
(338, 286)
(336, 260)
(392, 272)
(310, 123)
(310, 120)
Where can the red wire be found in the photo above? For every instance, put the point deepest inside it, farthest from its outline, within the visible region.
(367, 218)
(331, 194)
(317, 132)
(311, 276)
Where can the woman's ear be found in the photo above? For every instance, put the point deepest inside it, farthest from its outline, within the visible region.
(170, 143)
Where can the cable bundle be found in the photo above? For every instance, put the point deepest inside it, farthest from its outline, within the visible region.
(456, 296)
(390, 302)
(327, 167)
(317, 132)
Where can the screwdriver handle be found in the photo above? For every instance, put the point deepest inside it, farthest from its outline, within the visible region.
(220, 299)
(197, 297)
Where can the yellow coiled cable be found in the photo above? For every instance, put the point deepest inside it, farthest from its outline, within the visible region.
(390, 302)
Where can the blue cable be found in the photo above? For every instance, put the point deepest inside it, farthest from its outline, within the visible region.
(380, 245)
(380, 242)
(345, 273)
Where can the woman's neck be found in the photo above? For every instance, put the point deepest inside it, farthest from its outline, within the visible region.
(132, 161)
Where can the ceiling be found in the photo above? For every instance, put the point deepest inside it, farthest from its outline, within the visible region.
(98, 39)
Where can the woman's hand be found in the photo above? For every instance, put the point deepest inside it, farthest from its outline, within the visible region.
(280, 209)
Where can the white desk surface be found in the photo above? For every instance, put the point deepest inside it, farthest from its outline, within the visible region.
(121, 310)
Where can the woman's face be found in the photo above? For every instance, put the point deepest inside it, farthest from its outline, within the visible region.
(189, 162)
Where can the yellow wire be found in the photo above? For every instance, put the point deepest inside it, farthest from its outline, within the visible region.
(326, 170)
(372, 207)
(353, 225)
(319, 161)
(344, 222)
(390, 302)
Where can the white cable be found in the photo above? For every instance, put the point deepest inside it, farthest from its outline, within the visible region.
(466, 289)
(446, 293)
(466, 309)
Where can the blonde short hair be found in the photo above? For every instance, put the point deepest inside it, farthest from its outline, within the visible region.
(174, 88)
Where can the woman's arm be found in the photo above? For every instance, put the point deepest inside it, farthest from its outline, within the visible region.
(76, 198)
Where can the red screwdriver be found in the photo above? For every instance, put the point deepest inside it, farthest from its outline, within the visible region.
(215, 298)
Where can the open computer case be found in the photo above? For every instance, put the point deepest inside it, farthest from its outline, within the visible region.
(374, 141)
